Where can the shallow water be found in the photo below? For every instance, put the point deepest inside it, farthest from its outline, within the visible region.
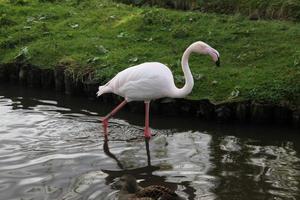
(52, 147)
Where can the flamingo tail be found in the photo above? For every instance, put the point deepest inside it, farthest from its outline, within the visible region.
(103, 89)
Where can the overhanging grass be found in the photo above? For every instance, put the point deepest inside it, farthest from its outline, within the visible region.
(260, 60)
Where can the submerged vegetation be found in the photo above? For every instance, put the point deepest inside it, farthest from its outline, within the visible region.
(98, 38)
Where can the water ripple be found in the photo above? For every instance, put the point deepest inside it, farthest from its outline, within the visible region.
(52, 151)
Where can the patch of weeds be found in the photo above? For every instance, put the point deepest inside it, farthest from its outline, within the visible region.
(133, 60)
(94, 60)
(105, 73)
(235, 93)
(47, 16)
(23, 55)
(68, 62)
(75, 69)
(296, 58)
(181, 32)
(122, 35)
(273, 91)
(8, 43)
(5, 21)
(291, 10)
(101, 49)
(155, 17)
(19, 2)
(19, 39)
(74, 26)
(179, 80)
(25, 38)
(41, 27)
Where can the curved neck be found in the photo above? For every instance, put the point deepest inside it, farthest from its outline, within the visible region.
(189, 81)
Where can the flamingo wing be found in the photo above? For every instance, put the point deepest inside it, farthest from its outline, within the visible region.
(143, 82)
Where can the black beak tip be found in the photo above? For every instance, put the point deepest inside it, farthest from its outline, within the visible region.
(218, 63)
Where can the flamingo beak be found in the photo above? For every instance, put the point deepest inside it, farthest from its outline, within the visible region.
(218, 62)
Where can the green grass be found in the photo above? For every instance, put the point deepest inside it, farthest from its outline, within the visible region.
(260, 59)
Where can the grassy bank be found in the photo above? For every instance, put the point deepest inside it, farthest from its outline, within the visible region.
(98, 38)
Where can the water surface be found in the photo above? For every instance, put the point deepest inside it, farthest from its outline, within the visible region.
(52, 147)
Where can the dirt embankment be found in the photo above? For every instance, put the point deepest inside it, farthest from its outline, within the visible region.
(59, 80)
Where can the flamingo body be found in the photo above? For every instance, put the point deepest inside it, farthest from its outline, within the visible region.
(144, 82)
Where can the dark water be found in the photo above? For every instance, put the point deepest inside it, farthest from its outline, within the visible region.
(51, 147)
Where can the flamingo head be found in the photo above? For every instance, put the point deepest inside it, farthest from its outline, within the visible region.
(203, 48)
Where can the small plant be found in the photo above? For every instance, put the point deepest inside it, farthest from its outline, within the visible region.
(122, 35)
(296, 60)
(157, 17)
(7, 44)
(23, 55)
(94, 60)
(181, 32)
(5, 21)
(234, 93)
(134, 59)
(19, 2)
(67, 62)
(101, 49)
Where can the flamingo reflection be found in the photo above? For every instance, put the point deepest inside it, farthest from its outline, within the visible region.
(145, 173)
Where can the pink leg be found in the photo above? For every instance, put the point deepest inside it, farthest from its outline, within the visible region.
(109, 115)
(147, 129)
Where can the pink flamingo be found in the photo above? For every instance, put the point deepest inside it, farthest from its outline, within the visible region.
(153, 80)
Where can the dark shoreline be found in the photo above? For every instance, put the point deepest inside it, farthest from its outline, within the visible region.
(59, 80)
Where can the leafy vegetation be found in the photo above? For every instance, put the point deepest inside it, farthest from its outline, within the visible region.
(260, 59)
(271, 9)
